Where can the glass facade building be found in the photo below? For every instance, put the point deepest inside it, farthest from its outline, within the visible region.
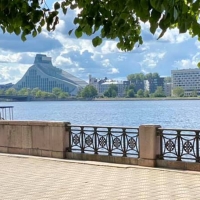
(45, 76)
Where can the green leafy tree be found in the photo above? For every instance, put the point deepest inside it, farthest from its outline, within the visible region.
(155, 75)
(57, 91)
(112, 91)
(178, 92)
(104, 19)
(149, 76)
(140, 93)
(63, 95)
(11, 91)
(2, 92)
(159, 92)
(89, 92)
(34, 91)
(146, 93)
(130, 93)
(23, 91)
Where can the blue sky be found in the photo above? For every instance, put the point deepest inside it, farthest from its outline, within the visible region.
(79, 57)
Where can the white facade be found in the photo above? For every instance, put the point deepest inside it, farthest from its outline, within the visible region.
(188, 79)
(167, 89)
(103, 85)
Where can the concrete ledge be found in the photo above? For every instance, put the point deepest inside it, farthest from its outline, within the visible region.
(146, 162)
(102, 158)
(193, 166)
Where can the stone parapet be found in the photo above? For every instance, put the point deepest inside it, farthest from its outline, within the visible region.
(37, 138)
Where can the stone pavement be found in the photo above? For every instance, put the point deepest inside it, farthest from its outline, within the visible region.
(24, 177)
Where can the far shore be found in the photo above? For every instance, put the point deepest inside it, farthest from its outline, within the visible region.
(147, 99)
(111, 99)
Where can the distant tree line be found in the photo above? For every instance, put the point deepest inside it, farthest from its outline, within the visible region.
(36, 93)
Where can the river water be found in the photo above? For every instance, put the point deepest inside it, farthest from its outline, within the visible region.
(167, 113)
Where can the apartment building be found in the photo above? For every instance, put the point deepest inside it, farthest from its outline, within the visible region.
(102, 85)
(188, 79)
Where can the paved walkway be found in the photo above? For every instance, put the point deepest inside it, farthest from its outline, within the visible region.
(38, 178)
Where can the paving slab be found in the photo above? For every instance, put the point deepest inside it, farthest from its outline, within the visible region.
(26, 177)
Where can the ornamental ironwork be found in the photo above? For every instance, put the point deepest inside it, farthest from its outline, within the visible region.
(116, 141)
(89, 140)
(102, 141)
(169, 145)
(188, 147)
(76, 139)
(179, 144)
(132, 143)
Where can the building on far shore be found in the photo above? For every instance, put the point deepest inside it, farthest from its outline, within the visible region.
(103, 85)
(167, 89)
(152, 84)
(46, 77)
(188, 79)
(6, 86)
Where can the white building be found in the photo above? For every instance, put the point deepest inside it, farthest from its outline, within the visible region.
(102, 85)
(188, 79)
(167, 89)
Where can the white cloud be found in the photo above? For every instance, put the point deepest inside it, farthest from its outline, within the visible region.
(151, 59)
(113, 71)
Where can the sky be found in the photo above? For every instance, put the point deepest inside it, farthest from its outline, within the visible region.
(80, 58)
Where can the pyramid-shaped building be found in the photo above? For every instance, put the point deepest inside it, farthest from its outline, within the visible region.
(45, 76)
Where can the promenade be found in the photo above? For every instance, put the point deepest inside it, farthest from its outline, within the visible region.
(26, 177)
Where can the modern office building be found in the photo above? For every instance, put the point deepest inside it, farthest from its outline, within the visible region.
(152, 84)
(188, 79)
(46, 77)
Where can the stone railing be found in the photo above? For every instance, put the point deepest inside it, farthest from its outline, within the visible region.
(36, 138)
(148, 145)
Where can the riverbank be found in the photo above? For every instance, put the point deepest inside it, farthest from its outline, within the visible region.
(106, 99)
(147, 99)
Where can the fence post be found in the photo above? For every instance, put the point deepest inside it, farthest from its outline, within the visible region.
(149, 146)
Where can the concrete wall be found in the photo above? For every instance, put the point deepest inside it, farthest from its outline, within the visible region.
(34, 138)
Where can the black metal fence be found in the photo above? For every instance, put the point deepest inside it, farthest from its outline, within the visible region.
(179, 144)
(112, 141)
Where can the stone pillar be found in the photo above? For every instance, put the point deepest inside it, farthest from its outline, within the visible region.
(148, 145)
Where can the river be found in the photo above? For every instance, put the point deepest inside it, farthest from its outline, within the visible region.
(167, 113)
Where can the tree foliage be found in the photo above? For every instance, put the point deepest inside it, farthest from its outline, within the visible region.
(112, 91)
(159, 92)
(178, 92)
(104, 18)
(89, 92)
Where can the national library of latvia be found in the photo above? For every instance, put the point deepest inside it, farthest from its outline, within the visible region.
(46, 77)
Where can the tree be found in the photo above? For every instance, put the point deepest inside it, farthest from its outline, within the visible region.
(140, 93)
(104, 19)
(159, 92)
(57, 91)
(112, 91)
(11, 91)
(130, 93)
(89, 92)
(63, 95)
(146, 93)
(23, 91)
(178, 92)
